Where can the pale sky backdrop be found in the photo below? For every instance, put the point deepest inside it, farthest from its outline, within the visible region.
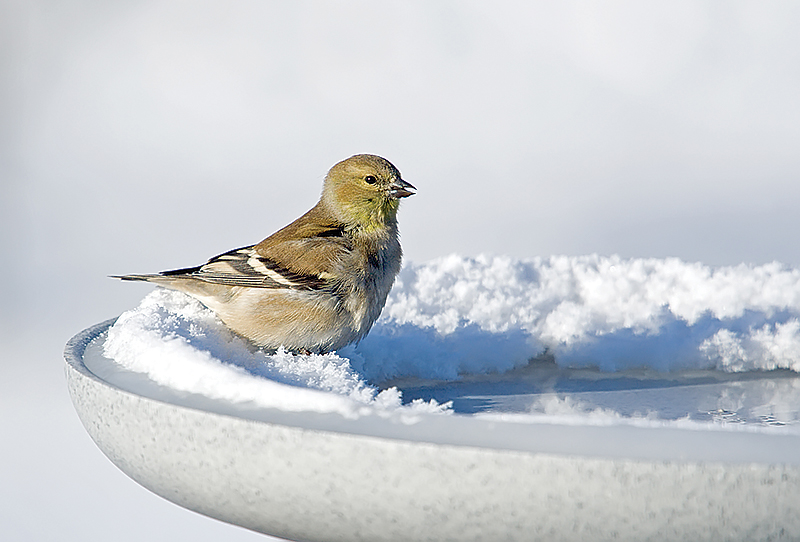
(141, 136)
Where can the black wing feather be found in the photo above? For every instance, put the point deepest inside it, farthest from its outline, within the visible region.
(244, 264)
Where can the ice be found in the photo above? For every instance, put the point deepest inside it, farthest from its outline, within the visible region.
(588, 337)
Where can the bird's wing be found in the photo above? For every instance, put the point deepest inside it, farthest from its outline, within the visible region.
(313, 245)
(246, 267)
(305, 255)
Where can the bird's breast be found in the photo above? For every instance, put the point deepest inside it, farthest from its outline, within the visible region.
(373, 281)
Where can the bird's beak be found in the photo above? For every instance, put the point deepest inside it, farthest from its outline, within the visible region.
(400, 189)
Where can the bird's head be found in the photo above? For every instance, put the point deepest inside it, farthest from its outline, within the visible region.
(364, 191)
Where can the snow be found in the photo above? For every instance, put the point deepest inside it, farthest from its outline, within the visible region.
(180, 344)
(590, 310)
(591, 338)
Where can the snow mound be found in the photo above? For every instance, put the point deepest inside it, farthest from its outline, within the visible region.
(489, 314)
(181, 344)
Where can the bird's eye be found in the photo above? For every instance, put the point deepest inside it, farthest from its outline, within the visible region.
(370, 179)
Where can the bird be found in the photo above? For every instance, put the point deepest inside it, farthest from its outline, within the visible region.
(319, 283)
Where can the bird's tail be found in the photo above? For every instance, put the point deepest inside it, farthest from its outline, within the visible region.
(179, 279)
(146, 278)
(168, 281)
(161, 278)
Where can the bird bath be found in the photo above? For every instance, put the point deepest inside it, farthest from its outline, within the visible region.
(488, 475)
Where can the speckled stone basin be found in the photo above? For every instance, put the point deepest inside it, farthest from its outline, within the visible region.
(320, 477)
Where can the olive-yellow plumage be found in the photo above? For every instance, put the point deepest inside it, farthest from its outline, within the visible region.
(319, 283)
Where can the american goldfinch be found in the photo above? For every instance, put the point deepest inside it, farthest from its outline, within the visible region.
(319, 283)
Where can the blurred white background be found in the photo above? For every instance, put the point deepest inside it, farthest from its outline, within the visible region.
(142, 136)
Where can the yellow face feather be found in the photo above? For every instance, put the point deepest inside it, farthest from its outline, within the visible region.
(365, 191)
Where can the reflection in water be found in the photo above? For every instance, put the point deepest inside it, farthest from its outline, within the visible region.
(762, 398)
